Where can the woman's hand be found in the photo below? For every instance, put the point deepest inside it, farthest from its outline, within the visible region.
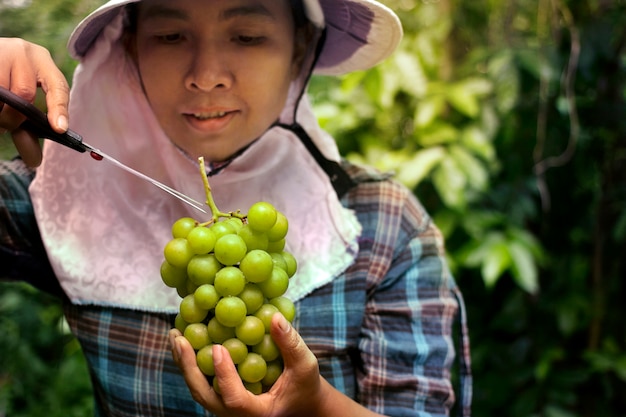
(300, 390)
(25, 67)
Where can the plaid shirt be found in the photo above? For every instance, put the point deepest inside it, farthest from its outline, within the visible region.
(382, 332)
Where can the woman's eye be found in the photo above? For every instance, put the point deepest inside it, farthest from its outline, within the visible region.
(170, 38)
(249, 40)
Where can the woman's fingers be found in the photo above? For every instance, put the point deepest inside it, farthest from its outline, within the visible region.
(295, 353)
(28, 147)
(25, 67)
(185, 358)
(57, 100)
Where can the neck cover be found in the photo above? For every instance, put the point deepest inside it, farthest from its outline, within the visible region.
(105, 230)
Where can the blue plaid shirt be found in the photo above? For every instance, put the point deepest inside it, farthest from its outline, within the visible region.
(382, 331)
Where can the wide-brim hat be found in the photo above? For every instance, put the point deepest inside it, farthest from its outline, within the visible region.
(359, 33)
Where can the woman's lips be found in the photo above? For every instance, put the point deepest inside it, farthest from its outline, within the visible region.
(210, 121)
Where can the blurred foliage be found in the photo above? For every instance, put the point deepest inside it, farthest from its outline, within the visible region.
(42, 369)
(507, 119)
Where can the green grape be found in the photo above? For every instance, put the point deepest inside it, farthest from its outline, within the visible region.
(191, 287)
(230, 311)
(180, 323)
(257, 265)
(237, 349)
(216, 386)
(229, 281)
(267, 348)
(254, 387)
(276, 284)
(262, 216)
(252, 296)
(182, 227)
(279, 261)
(190, 311)
(201, 240)
(253, 368)
(223, 228)
(202, 269)
(177, 252)
(206, 296)
(250, 331)
(252, 238)
(232, 277)
(292, 264)
(173, 277)
(204, 359)
(182, 290)
(265, 313)
(230, 249)
(274, 370)
(218, 332)
(280, 228)
(236, 222)
(285, 306)
(197, 334)
(276, 246)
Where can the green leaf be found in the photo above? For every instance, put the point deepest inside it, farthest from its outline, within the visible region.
(378, 156)
(408, 74)
(524, 267)
(413, 171)
(428, 109)
(352, 81)
(450, 183)
(463, 101)
(477, 175)
(465, 95)
(474, 138)
(475, 252)
(556, 411)
(497, 260)
(527, 239)
(567, 319)
(481, 223)
(620, 367)
(471, 254)
(426, 48)
(502, 70)
(533, 62)
(547, 358)
(437, 134)
(489, 121)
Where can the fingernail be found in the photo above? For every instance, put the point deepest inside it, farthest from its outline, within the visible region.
(283, 324)
(62, 122)
(179, 349)
(217, 355)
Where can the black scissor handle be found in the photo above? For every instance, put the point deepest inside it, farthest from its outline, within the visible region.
(37, 122)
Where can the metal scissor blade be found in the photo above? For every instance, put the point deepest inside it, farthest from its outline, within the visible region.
(186, 199)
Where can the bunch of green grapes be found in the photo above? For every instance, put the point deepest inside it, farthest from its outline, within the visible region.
(232, 276)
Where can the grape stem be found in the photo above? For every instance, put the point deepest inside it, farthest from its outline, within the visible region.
(215, 212)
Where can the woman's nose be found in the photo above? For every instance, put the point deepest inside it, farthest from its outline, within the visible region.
(209, 69)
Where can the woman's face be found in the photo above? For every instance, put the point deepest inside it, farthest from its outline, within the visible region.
(216, 72)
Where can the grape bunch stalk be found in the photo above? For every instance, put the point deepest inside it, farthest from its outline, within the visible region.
(231, 273)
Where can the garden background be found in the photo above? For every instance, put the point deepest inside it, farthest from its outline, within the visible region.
(508, 119)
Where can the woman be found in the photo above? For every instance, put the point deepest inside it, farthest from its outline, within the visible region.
(161, 82)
